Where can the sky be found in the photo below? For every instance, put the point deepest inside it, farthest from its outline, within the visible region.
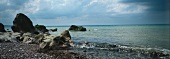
(87, 12)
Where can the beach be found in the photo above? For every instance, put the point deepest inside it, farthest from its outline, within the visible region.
(120, 42)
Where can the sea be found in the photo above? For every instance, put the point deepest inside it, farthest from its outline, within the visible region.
(120, 41)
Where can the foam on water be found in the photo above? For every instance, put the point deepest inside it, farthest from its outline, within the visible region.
(133, 51)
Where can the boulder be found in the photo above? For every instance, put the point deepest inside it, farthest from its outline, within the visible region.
(39, 38)
(54, 42)
(65, 35)
(66, 38)
(77, 28)
(33, 38)
(2, 28)
(53, 30)
(41, 28)
(48, 42)
(28, 38)
(23, 24)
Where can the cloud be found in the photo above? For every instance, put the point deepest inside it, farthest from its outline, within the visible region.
(154, 5)
(79, 11)
(8, 9)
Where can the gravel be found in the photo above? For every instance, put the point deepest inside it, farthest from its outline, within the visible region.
(21, 51)
(10, 50)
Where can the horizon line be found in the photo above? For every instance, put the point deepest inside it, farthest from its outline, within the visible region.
(100, 25)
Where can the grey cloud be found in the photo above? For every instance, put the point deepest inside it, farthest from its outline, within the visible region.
(8, 9)
(155, 5)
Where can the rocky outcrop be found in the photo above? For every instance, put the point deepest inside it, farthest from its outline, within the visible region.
(22, 24)
(9, 37)
(2, 28)
(45, 40)
(24, 31)
(54, 42)
(77, 28)
(41, 28)
(28, 38)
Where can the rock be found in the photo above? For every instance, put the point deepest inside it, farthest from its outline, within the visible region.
(39, 38)
(2, 28)
(31, 38)
(9, 37)
(65, 34)
(22, 24)
(65, 38)
(53, 30)
(77, 28)
(53, 42)
(41, 28)
(47, 42)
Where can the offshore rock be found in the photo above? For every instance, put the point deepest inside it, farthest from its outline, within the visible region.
(77, 28)
(22, 24)
(53, 30)
(2, 28)
(41, 28)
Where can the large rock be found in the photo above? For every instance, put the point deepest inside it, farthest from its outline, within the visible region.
(66, 38)
(48, 42)
(45, 40)
(33, 38)
(41, 28)
(23, 24)
(77, 28)
(2, 28)
(53, 42)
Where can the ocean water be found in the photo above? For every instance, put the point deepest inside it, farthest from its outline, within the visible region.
(155, 36)
(121, 41)
(132, 41)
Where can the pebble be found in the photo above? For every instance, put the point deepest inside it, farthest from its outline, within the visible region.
(21, 51)
(9, 50)
(35, 55)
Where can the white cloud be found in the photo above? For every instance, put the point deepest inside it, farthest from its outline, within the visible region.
(120, 8)
(56, 7)
(31, 6)
(4, 1)
(115, 7)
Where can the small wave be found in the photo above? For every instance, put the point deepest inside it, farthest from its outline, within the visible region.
(151, 52)
(95, 29)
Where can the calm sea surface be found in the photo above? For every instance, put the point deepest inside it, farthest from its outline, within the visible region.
(127, 36)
